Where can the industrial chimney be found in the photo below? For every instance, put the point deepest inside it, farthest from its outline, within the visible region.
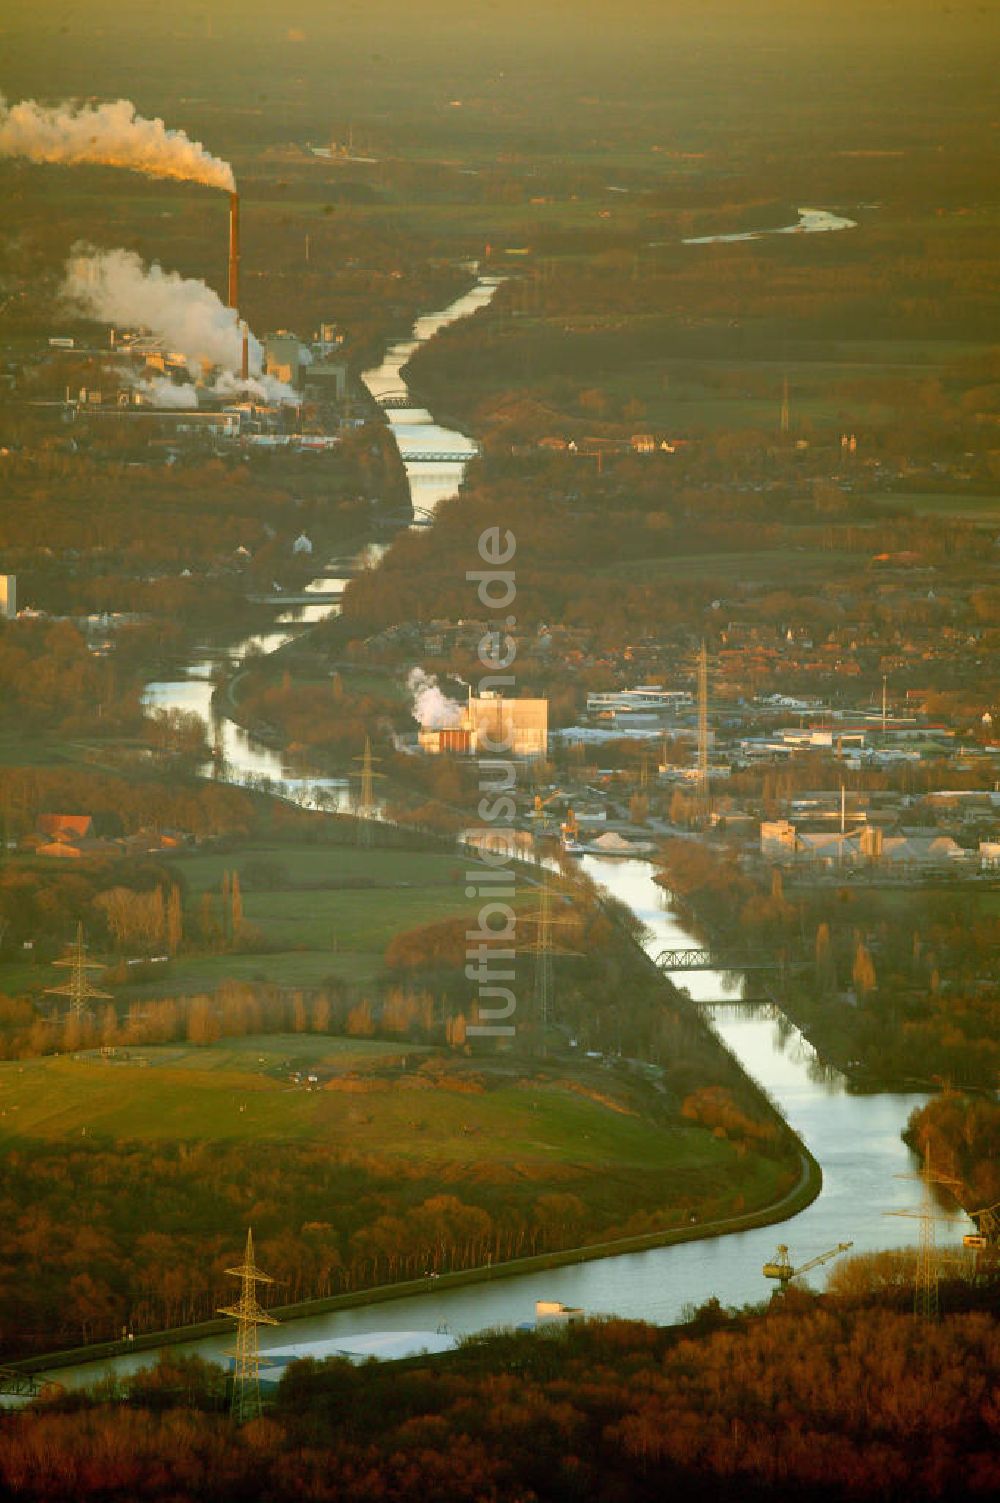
(245, 363)
(234, 250)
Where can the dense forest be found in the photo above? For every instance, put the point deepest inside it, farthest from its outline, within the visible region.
(961, 1134)
(809, 1403)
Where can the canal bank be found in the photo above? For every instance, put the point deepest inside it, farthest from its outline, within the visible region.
(121, 1354)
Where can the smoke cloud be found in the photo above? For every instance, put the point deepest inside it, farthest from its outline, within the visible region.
(164, 393)
(431, 706)
(265, 388)
(113, 286)
(112, 134)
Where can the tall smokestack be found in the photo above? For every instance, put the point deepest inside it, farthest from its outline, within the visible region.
(234, 251)
(245, 363)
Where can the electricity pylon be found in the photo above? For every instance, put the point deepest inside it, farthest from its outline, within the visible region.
(987, 1219)
(543, 949)
(248, 1315)
(366, 808)
(784, 422)
(927, 1273)
(78, 988)
(703, 798)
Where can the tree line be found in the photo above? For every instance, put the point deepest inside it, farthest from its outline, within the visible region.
(807, 1403)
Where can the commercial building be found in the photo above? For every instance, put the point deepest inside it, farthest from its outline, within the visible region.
(781, 840)
(644, 699)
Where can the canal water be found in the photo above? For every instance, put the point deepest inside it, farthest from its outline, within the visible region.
(809, 222)
(855, 1138)
(243, 757)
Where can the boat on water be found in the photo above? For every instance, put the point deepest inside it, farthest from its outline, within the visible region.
(608, 844)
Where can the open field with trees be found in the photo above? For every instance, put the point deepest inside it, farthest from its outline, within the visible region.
(357, 1162)
(287, 911)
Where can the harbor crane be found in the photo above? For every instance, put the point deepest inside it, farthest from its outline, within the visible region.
(782, 1270)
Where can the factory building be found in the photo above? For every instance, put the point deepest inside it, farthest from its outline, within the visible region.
(326, 381)
(8, 597)
(493, 726)
(285, 357)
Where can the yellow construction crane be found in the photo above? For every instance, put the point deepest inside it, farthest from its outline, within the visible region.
(541, 802)
(782, 1270)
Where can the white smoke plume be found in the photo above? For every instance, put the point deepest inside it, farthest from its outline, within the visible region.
(265, 388)
(431, 706)
(113, 286)
(164, 393)
(112, 134)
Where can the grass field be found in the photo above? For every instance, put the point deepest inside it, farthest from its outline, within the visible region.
(240, 1090)
(312, 926)
(314, 931)
(329, 864)
(983, 509)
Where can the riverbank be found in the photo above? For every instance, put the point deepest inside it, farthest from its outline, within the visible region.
(807, 1189)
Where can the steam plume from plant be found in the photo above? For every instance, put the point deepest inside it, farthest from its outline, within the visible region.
(431, 706)
(114, 286)
(164, 393)
(112, 134)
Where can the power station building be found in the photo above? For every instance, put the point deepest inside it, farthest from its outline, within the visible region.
(493, 726)
(285, 357)
(8, 597)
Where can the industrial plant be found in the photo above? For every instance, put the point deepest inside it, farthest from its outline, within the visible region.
(492, 726)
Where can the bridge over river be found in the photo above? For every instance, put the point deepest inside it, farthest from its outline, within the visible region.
(437, 456)
(697, 958)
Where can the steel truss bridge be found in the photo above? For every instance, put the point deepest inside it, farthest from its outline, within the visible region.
(24, 1385)
(437, 456)
(707, 960)
(419, 517)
